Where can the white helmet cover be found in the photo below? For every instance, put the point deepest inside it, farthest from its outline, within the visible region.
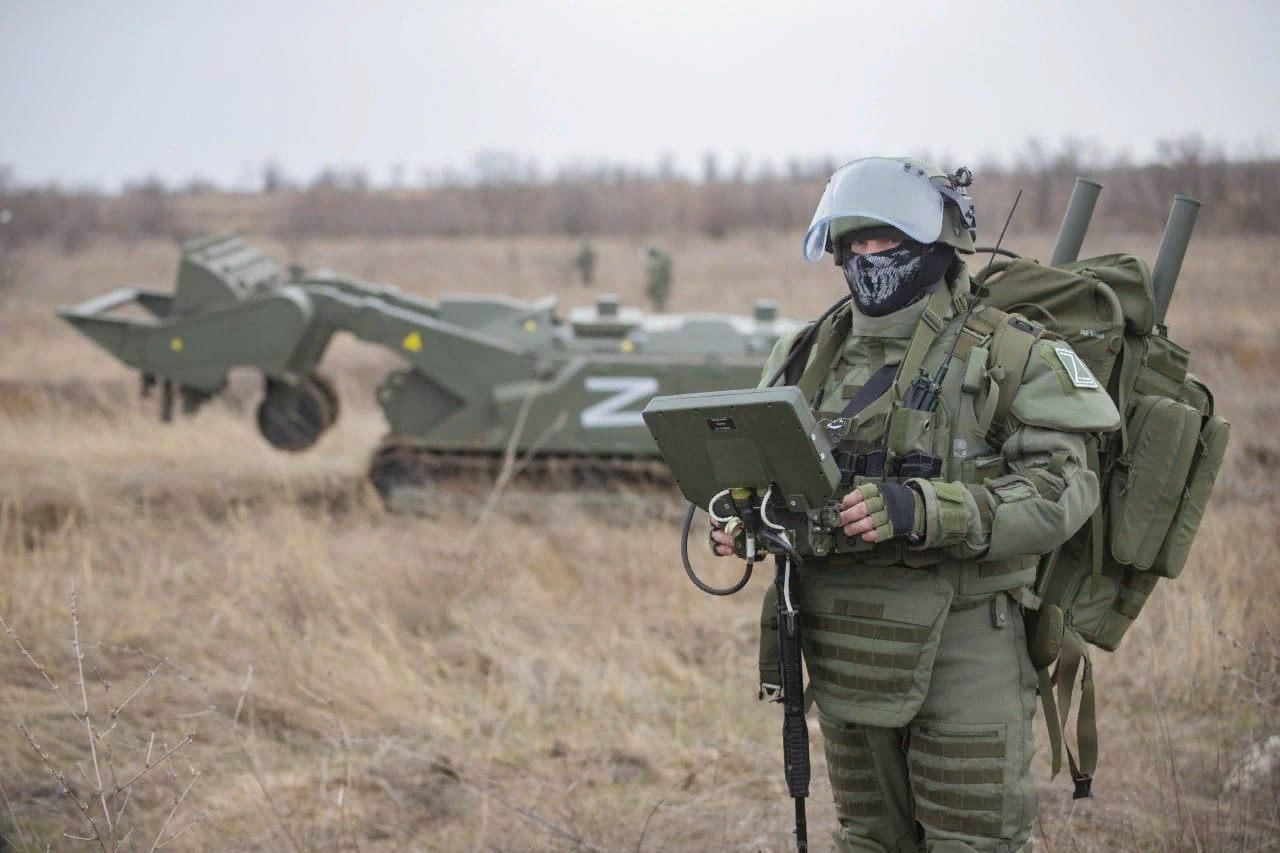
(889, 190)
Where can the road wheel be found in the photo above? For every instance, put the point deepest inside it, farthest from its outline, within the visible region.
(293, 417)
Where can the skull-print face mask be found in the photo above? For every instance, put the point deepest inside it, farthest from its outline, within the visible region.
(884, 282)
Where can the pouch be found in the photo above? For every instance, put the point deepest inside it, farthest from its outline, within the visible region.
(1146, 488)
(1210, 449)
(770, 658)
(912, 431)
(1164, 367)
(870, 637)
(1104, 609)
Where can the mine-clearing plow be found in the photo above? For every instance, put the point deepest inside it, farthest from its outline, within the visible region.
(482, 375)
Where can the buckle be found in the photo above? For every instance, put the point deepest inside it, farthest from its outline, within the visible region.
(1084, 787)
(923, 465)
(870, 464)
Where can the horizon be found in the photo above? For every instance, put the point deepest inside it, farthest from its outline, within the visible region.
(106, 96)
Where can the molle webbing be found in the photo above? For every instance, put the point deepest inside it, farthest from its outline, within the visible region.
(852, 742)
(859, 609)
(958, 747)
(847, 759)
(851, 783)
(870, 808)
(885, 660)
(974, 824)
(868, 630)
(894, 684)
(945, 770)
(959, 775)
(852, 770)
(961, 800)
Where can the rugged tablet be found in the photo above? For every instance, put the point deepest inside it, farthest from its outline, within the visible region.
(749, 439)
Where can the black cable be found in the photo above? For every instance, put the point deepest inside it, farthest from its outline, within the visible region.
(688, 568)
(996, 250)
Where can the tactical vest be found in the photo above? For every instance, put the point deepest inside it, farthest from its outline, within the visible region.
(958, 441)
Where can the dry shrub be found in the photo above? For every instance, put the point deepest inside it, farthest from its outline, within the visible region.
(1239, 196)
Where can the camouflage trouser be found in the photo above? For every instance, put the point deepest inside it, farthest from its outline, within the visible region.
(957, 776)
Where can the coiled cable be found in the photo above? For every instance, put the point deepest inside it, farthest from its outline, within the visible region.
(688, 567)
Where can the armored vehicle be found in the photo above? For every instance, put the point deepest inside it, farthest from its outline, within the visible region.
(483, 376)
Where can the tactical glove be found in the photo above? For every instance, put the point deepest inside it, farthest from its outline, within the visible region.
(895, 510)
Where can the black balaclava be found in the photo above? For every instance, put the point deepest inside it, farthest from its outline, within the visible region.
(884, 282)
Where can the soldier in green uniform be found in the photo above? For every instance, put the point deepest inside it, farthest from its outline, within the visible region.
(913, 632)
(657, 277)
(585, 263)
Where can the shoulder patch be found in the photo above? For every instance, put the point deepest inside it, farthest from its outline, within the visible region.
(1077, 371)
(1058, 391)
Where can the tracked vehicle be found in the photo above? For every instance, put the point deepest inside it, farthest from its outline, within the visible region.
(483, 376)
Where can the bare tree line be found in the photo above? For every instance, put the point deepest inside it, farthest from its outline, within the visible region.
(506, 197)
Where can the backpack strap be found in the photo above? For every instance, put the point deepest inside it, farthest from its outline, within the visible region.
(1096, 530)
(1075, 659)
(1011, 344)
(798, 355)
(1045, 624)
(826, 349)
(1131, 358)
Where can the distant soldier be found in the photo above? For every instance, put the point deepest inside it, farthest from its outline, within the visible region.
(657, 277)
(585, 263)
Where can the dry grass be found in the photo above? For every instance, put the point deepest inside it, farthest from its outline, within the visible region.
(357, 680)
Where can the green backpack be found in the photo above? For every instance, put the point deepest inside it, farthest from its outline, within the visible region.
(1156, 472)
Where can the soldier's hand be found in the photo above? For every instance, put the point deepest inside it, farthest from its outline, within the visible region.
(877, 512)
(722, 544)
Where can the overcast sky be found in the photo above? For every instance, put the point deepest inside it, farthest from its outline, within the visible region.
(97, 92)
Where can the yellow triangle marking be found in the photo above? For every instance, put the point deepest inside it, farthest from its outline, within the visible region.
(176, 345)
(412, 342)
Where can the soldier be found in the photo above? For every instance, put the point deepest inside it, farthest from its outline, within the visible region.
(913, 630)
(657, 277)
(585, 263)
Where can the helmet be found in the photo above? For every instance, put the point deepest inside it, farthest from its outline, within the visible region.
(916, 198)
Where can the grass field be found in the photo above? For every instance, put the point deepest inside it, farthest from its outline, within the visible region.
(544, 678)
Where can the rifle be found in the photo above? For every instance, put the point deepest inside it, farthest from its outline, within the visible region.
(795, 732)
